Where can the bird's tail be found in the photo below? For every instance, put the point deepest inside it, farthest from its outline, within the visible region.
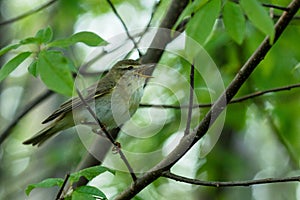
(44, 134)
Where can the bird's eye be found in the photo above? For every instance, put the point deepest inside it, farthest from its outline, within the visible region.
(130, 67)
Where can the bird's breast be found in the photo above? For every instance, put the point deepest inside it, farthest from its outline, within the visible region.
(116, 108)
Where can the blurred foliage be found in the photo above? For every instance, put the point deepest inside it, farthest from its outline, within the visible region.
(259, 138)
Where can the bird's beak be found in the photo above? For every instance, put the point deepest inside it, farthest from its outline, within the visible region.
(146, 70)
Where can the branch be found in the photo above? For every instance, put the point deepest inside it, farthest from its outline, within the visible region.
(149, 23)
(108, 135)
(189, 118)
(84, 67)
(275, 6)
(237, 100)
(259, 93)
(188, 141)
(26, 109)
(278, 16)
(62, 187)
(163, 37)
(26, 14)
(124, 25)
(231, 183)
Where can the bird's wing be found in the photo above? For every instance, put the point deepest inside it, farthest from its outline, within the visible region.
(76, 102)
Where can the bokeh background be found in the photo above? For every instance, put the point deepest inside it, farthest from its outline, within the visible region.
(260, 137)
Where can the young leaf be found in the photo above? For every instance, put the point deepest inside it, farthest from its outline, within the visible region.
(33, 68)
(201, 24)
(45, 35)
(8, 48)
(54, 70)
(88, 38)
(30, 40)
(89, 173)
(13, 64)
(259, 17)
(42, 36)
(234, 21)
(192, 7)
(87, 193)
(50, 182)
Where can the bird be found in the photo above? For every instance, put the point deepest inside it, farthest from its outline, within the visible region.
(115, 99)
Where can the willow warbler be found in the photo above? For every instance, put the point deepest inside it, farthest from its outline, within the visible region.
(115, 99)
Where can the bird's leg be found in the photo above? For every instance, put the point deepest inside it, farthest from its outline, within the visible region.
(116, 148)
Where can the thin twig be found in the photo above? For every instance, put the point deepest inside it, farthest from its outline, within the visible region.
(144, 105)
(26, 109)
(145, 29)
(84, 67)
(237, 100)
(149, 23)
(108, 135)
(101, 125)
(189, 117)
(26, 14)
(62, 187)
(125, 27)
(259, 93)
(275, 6)
(229, 183)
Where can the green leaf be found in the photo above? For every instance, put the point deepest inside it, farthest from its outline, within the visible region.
(33, 68)
(89, 173)
(234, 21)
(201, 24)
(55, 72)
(13, 64)
(50, 182)
(8, 48)
(87, 193)
(42, 36)
(192, 7)
(45, 35)
(88, 38)
(259, 17)
(30, 40)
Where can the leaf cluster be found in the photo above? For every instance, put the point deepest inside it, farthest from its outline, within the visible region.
(54, 68)
(83, 192)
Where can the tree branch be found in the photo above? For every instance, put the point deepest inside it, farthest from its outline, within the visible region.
(26, 109)
(124, 25)
(60, 192)
(151, 18)
(231, 183)
(189, 118)
(237, 100)
(26, 14)
(188, 141)
(275, 6)
(163, 37)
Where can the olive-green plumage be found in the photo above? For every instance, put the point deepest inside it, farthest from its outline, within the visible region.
(115, 97)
